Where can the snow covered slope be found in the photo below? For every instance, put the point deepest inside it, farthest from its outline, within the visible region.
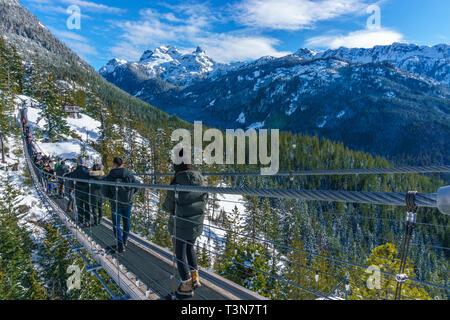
(69, 149)
(433, 61)
(374, 100)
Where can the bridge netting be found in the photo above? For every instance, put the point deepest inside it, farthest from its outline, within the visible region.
(252, 257)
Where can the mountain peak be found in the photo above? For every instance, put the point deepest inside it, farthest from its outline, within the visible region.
(168, 49)
(165, 52)
(199, 50)
(306, 53)
(147, 54)
(167, 63)
(111, 66)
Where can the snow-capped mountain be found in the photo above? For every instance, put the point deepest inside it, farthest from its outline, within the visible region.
(433, 61)
(165, 63)
(387, 100)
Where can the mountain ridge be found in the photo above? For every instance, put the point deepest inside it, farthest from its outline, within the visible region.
(385, 105)
(168, 64)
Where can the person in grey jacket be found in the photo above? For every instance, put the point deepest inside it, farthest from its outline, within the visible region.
(186, 224)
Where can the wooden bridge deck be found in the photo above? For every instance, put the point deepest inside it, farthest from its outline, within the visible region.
(153, 266)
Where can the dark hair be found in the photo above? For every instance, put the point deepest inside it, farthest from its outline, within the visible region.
(118, 161)
(96, 167)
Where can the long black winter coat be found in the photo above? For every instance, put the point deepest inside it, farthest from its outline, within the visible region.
(190, 206)
(81, 188)
(125, 195)
(96, 189)
(62, 170)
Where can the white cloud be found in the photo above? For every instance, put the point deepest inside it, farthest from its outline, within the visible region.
(190, 26)
(47, 7)
(227, 48)
(358, 39)
(126, 51)
(89, 6)
(292, 14)
(63, 34)
(76, 42)
(81, 48)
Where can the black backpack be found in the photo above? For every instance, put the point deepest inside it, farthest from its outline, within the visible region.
(125, 194)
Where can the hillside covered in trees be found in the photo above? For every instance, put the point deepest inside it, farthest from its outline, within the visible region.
(261, 236)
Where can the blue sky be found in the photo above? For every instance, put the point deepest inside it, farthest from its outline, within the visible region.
(241, 29)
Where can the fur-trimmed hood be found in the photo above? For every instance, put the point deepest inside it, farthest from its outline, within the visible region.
(98, 173)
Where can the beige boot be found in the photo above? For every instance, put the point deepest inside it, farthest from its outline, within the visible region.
(184, 289)
(195, 280)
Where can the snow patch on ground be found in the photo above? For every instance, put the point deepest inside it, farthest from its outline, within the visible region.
(85, 126)
(28, 194)
(69, 150)
(291, 109)
(340, 114)
(256, 125)
(213, 233)
(241, 118)
(322, 123)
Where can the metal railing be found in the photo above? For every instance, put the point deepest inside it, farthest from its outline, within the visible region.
(360, 197)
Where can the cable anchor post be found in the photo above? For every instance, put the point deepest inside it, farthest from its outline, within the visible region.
(410, 221)
(174, 241)
(291, 179)
(347, 284)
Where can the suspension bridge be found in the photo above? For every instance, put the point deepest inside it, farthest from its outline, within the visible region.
(148, 271)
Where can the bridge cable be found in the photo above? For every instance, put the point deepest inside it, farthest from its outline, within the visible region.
(411, 215)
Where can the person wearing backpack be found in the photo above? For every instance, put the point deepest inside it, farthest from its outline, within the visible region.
(190, 208)
(121, 199)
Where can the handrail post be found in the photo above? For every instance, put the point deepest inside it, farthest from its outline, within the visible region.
(74, 205)
(347, 284)
(116, 229)
(90, 211)
(411, 216)
(174, 241)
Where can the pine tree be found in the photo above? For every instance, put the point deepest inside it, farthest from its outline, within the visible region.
(376, 285)
(55, 257)
(52, 109)
(8, 87)
(19, 279)
(297, 273)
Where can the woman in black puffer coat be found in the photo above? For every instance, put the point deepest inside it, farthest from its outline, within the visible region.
(190, 208)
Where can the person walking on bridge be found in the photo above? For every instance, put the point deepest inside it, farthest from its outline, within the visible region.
(49, 173)
(121, 199)
(96, 194)
(190, 208)
(69, 188)
(61, 170)
(81, 192)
